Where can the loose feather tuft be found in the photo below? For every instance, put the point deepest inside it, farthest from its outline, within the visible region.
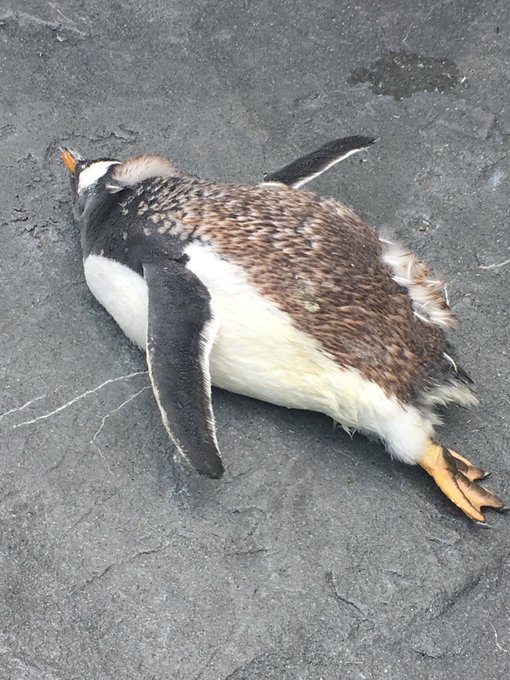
(139, 168)
(427, 294)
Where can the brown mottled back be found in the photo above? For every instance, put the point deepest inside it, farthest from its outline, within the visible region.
(320, 263)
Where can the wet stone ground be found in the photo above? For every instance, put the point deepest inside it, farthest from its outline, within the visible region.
(316, 557)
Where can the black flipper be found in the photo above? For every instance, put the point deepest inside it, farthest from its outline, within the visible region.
(306, 168)
(179, 339)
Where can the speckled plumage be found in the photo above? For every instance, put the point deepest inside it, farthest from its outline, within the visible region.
(319, 262)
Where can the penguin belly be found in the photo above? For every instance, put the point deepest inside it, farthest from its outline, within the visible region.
(258, 351)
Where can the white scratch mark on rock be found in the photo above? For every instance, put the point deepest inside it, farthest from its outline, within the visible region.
(73, 401)
(17, 409)
(24, 18)
(494, 266)
(110, 472)
(496, 178)
(116, 410)
(55, 6)
(500, 647)
(105, 418)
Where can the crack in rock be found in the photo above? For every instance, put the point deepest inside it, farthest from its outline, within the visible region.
(76, 399)
(358, 607)
(141, 553)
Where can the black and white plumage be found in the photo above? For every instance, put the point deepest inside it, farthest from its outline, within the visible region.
(276, 293)
(178, 347)
(306, 168)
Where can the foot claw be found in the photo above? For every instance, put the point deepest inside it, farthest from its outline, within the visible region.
(458, 478)
(472, 472)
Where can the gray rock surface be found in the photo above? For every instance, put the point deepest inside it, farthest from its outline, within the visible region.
(316, 557)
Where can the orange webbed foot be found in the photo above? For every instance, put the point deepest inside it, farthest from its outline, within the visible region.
(458, 479)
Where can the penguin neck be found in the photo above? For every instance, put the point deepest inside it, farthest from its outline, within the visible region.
(96, 214)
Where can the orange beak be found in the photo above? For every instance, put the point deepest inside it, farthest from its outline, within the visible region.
(69, 160)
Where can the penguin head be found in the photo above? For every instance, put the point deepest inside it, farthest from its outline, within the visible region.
(94, 181)
(89, 179)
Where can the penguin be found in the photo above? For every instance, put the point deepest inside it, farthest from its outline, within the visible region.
(276, 293)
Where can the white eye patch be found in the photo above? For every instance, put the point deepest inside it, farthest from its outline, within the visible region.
(92, 173)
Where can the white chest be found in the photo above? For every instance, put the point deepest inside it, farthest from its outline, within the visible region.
(122, 292)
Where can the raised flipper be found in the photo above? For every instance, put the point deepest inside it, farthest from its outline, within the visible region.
(457, 478)
(306, 168)
(180, 335)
